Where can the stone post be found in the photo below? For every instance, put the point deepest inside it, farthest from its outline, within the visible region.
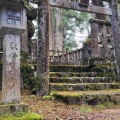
(24, 41)
(58, 32)
(11, 69)
(94, 39)
(43, 48)
(104, 40)
(12, 25)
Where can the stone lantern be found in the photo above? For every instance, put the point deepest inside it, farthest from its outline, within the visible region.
(12, 25)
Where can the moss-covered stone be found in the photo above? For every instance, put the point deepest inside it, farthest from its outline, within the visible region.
(28, 74)
(73, 74)
(68, 68)
(89, 97)
(97, 60)
(21, 116)
(83, 86)
(13, 108)
(80, 79)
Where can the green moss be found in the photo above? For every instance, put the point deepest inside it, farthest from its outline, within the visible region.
(26, 4)
(21, 116)
(109, 105)
(68, 68)
(116, 5)
(86, 108)
(41, 84)
(100, 106)
(88, 40)
(49, 96)
(28, 76)
(24, 56)
(103, 68)
(90, 97)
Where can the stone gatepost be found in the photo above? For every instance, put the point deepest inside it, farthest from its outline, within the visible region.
(12, 25)
(104, 39)
(11, 69)
(94, 38)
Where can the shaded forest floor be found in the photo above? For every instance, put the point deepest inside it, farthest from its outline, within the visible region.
(55, 110)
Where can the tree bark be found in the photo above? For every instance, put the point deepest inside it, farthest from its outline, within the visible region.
(43, 48)
(51, 30)
(116, 35)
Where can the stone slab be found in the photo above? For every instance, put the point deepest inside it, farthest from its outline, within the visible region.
(13, 108)
(79, 7)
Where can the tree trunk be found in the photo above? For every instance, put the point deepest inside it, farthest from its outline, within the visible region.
(116, 34)
(43, 48)
(51, 34)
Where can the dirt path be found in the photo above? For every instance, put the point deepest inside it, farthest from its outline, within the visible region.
(54, 110)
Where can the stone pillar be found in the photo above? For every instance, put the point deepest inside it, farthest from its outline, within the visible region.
(116, 35)
(43, 48)
(94, 39)
(58, 31)
(11, 69)
(34, 50)
(24, 41)
(104, 40)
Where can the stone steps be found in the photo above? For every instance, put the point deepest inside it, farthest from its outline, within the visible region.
(88, 97)
(69, 68)
(83, 86)
(72, 74)
(80, 74)
(80, 79)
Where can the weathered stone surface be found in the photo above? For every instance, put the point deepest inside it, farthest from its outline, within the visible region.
(81, 79)
(104, 40)
(33, 50)
(77, 6)
(94, 39)
(24, 41)
(89, 97)
(74, 74)
(11, 69)
(83, 86)
(13, 108)
(58, 32)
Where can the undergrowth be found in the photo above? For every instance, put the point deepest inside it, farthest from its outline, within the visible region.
(21, 116)
(86, 108)
(49, 96)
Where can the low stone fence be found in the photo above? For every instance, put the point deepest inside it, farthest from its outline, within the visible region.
(66, 57)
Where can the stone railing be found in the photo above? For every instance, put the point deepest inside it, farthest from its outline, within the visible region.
(66, 57)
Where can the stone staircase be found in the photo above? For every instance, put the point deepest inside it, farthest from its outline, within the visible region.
(90, 84)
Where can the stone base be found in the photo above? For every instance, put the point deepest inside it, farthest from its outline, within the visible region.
(13, 108)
